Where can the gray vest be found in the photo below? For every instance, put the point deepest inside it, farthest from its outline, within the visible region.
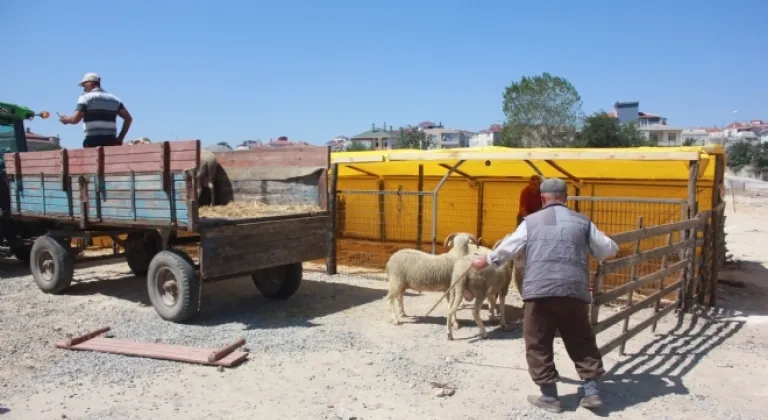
(557, 254)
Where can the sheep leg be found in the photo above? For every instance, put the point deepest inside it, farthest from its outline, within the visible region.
(502, 310)
(455, 303)
(476, 315)
(493, 309)
(400, 298)
(395, 293)
(452, 294)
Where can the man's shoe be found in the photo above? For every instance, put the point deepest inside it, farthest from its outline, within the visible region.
(591, 402)
(550, 404)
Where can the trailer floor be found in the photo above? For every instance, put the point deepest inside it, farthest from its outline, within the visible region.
(330, 353)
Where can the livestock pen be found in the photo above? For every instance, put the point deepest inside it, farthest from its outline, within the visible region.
(389, 200)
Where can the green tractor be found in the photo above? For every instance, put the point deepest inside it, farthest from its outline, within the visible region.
(15, 235)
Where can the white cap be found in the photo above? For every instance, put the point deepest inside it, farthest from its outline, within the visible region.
(90, 77)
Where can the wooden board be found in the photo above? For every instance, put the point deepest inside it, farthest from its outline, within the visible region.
(289, 175)
(240, 249)
(136, 199)
(155, 351)
(309, 156)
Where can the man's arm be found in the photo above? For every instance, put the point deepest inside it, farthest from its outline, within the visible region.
(78, 115)
(127, 120)
(600, 245)
(509, 247)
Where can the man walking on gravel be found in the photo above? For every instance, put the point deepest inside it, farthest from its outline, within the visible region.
(99, 110)
(556, 297)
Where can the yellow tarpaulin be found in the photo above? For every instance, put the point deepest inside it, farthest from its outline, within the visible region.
(659, 163)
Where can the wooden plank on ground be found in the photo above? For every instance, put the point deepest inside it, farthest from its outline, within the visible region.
(225, 356)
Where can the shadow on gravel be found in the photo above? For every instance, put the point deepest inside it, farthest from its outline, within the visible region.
(4, 410)
(11, 267)
(118, 285)
(660, 366)
(743, 286)
(238, 301)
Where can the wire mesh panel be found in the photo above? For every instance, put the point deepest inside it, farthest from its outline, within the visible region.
(614, 215)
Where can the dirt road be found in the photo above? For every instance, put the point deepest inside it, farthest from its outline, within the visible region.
(331, 353)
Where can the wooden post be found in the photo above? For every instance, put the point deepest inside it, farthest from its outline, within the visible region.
(597, 286)
(633, 279)
(693, 173)
(382, 211)
(717, 228)
(664, 264)
(705, 267)
(420, 213)
(331, 264)
(480, 210)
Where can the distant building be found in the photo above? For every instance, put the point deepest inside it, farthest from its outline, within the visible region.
(627, 112)
(653, 126)
(377, 138)
(487, 137)
(338, 143)
(698, 136)
(283, 141)
(662, 135)
(39, 142)
(448, 138)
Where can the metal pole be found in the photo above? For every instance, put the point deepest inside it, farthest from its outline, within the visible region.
(434, 203)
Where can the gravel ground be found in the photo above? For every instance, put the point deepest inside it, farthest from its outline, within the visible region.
(330, 352)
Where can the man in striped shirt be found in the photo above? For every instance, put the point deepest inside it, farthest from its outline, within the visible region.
(99, 110)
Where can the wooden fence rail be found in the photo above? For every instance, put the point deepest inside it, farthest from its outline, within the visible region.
(691, 276)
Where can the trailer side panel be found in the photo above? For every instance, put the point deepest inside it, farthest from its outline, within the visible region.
(241, 249)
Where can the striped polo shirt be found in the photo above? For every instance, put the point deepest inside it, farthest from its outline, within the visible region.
(100, 112)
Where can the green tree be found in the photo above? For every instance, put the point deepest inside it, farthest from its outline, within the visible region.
(542, 111)
(410, 137)
(741, 154)
(357, 146)
(511, 136)
(689, 141)
(603, 130)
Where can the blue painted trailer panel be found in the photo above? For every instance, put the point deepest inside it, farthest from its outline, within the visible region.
(120, 198)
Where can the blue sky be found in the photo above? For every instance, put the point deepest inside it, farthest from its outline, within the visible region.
(311, 70)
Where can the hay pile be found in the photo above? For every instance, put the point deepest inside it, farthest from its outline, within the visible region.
(248, 209)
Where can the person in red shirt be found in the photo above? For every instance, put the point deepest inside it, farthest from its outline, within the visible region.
(530, 198)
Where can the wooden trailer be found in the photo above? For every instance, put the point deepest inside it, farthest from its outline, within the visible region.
(145, 198)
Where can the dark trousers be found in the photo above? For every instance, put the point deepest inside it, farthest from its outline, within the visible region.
(541, 319)
(96, 141)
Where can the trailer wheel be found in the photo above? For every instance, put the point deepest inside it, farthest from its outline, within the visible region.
(52, 265)
(280, 282)
(140, 248)
(173, 286)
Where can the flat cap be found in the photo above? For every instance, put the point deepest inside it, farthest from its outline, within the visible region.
(553, 186)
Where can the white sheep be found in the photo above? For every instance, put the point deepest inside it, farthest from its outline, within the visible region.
(141, 140)
(499, 294)
(477, 285)
(206, 175)
(419, 270)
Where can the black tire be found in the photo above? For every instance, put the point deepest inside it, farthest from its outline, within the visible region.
(140, 248)
(52, 265)
(173, 286)
(280, 282)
